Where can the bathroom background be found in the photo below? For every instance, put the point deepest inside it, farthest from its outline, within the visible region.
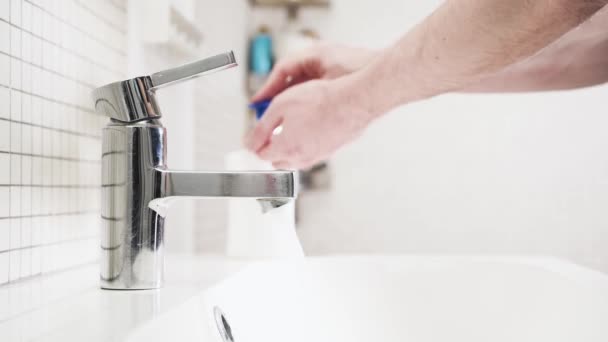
(461, 174)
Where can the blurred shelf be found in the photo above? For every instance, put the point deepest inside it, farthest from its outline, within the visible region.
(292, 6)
(183, 34)
(161, 24)
(287, 3)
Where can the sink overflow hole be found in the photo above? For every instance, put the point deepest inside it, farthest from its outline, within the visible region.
(223, 327)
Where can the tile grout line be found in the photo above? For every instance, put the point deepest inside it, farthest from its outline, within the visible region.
(54, 72)
(41, 164)
(60, 186)
(51, 273)
(74, 53)
(53, 157)
(103, 20)
(74, 213)
(54, 243)
(10, 134)
(21, 143)
(67, 104)
(54, 167)
(76, 28)
(31, 225)
(52, 179)
(58, 130)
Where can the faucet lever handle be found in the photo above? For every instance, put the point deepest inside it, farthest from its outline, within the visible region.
(134, 100)
(192, 70)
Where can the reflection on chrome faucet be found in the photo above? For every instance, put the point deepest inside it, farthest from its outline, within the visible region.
(137, 186)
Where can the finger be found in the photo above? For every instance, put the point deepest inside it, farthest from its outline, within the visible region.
(286, 165)
(302, 163)
(274, 151)
(305, 164)
(284, 74)
(282, 165)
(262, 131)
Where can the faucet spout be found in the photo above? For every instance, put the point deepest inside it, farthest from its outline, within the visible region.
(138, 188)
(272, 189)
(247, 184)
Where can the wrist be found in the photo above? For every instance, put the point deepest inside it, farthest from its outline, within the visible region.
(380, 86)
(351, 91)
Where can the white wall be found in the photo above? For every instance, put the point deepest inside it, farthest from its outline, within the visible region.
(464, 173)
(221, 106)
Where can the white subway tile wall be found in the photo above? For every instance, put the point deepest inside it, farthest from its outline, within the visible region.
(52, 54)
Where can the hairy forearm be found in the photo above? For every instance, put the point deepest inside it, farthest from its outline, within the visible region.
(546, 74)
(578, 59)
(537, 78)
(461, 43)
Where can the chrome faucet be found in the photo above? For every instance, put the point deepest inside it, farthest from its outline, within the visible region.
(137, 186)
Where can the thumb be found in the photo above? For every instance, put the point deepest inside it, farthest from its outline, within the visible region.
(262, 132)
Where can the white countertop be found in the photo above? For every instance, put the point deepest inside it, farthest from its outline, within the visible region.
(396, 298)
(70, 306)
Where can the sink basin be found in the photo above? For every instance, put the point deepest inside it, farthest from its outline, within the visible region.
(395, 299)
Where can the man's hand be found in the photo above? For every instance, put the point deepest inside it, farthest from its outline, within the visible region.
(324, 61)
(316, 117)
(460, 44)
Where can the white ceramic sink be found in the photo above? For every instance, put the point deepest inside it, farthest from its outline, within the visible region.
(397, 299)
